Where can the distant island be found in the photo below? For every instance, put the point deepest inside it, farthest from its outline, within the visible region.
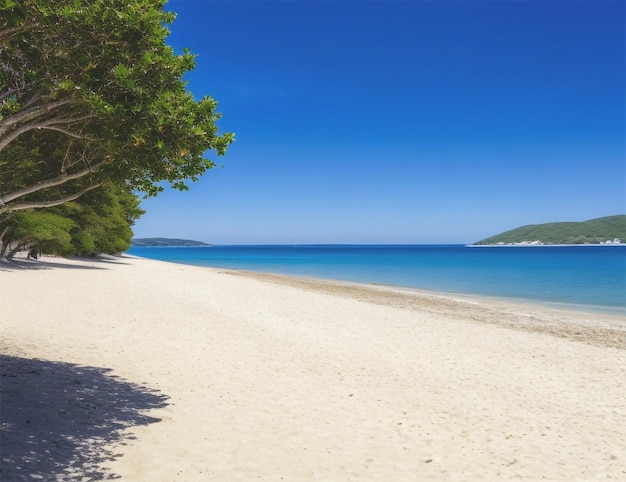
(610, 230)
(166, 242)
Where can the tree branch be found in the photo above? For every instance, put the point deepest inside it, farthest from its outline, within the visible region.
(30, 114)
(30, 101)
(42, 125)
(6, 33)
(7, 93)
(21, 90)
(48, 204)
(55, 181)
(66, 132)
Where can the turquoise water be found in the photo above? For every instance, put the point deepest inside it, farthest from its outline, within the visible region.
(591, 277)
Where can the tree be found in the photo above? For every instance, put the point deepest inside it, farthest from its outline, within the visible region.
(98, 222)
(102, 220)
(39, 230)
(90, 92)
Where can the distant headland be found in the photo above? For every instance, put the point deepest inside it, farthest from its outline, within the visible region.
(167, 242)
(610, 230)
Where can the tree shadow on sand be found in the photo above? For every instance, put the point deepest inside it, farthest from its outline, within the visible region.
(59, 421)
(21, 263)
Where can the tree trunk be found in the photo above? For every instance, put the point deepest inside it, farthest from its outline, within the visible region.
(3, 245)
(14, 249)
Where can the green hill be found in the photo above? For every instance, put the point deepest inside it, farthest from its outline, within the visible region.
(166, 242)
(594, 231)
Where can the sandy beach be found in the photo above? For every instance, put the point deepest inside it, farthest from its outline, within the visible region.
(150, 371)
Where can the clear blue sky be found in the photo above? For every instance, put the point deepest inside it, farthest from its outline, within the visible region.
(402, 122)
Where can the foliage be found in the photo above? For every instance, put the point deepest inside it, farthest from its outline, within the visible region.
(594, 231)
(44, 230)
(99, 222)
(102, 220)
(90, 92)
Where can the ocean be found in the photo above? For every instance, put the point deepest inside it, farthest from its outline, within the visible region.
(577, 277)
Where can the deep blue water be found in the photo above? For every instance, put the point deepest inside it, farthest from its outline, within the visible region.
(587, 276)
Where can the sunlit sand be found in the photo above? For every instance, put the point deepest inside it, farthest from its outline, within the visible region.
(155, 371)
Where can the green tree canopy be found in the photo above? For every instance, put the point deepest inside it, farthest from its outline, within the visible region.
(98, 222)
(43, 230)
(90, 92)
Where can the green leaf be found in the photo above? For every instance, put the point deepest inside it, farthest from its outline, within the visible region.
(126, 102)
(122, 71)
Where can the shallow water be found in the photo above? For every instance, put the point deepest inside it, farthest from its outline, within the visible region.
(592, 276)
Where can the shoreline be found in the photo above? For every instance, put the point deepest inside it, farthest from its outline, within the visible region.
(148, 370)
(588, 290)
(524, 303)
(594, 327)
(538, 303)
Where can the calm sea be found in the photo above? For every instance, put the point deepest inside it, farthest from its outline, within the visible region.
(589, 277)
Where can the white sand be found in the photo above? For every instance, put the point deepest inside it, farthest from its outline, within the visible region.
(275, 379)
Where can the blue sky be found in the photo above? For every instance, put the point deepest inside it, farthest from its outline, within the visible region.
(402, 121)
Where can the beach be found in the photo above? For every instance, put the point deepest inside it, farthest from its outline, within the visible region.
(147, 370)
